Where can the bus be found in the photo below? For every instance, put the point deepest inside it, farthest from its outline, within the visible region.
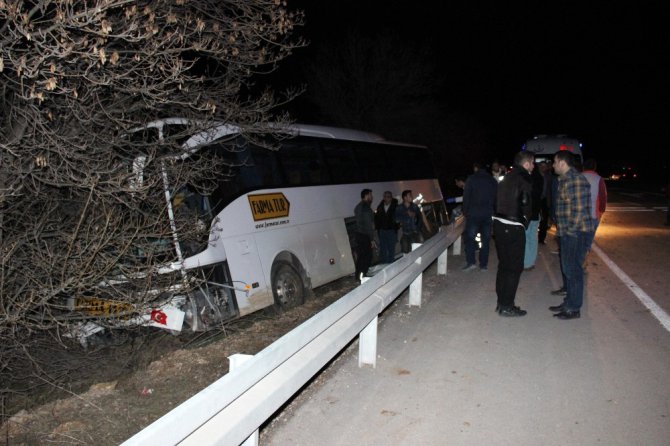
(544, 146)
(280, 221)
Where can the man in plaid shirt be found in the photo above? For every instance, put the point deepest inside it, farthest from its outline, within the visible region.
(574, 227)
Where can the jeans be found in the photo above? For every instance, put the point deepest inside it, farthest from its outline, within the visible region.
(592, 235)
(510, 244)
(473, 226)
(530, 254)
(573, 254)
(387, 242)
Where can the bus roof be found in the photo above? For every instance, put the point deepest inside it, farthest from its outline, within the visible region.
(218, 130)
(550, 144)
(320, 131)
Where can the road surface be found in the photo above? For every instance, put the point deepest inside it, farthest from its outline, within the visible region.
(455, 373)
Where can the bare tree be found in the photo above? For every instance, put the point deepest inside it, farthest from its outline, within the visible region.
(77, 76)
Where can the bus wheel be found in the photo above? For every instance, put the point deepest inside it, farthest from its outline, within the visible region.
(287, 287)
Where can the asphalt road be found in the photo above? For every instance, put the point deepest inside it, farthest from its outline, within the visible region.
(455, 373)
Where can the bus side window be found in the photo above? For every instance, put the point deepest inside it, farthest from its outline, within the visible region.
(339, 157)
(412, 163)
(228, 173)
(372, 159)
(265, 162)
(301, 162)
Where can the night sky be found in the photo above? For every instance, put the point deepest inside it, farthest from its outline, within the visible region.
(592, 70)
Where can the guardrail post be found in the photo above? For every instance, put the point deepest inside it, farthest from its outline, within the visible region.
(367, 344)
(456, 250)
(442, 263)
(416, 285)
(235, 361)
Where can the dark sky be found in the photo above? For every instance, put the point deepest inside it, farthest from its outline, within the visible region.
(591, 69)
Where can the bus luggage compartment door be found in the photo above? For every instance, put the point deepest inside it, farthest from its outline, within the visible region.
(246, 269)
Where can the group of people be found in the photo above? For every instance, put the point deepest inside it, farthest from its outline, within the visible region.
(517, 210)
(380, 228)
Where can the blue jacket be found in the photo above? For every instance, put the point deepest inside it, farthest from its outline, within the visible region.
(409, 225)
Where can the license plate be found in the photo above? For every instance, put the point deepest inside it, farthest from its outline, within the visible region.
(101, 307)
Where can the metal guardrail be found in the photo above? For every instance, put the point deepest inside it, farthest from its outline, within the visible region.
(231, 409)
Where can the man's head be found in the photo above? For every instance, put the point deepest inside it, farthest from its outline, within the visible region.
(590, 164)
(407, 196)
(366, 195)
(525, 160)
(388, 197)
(563, 162)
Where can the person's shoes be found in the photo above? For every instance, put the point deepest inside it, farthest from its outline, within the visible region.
(498, 307)
(562, 291)
(483, 268)
(512, 312)
(557, 308)
(565, 315)
(555, 252)
(530, 268)
(469, 267)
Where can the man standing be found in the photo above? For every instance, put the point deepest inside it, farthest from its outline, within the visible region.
(365, 233)
(598, 194)
(513, 210)
(574, 227)
(387, 228)
(408, 216)
(479, 199)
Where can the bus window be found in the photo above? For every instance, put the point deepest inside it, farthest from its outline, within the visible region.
(372, 159)
(265, 163)
(409, 162)
(230, 160)
(301, 162)
(192, 216)
(339, 157)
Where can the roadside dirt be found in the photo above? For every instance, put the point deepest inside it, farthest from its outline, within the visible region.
(118, 405)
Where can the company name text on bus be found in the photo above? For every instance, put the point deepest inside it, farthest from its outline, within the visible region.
(267, 206)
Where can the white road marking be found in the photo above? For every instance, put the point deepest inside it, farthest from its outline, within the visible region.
(647, 301)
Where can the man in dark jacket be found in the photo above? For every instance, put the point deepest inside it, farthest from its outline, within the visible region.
(387, 227)
(513, 213)
(479, 199)
(365, 233)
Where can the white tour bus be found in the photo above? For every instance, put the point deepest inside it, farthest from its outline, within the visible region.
(280, 221)
(544, 146)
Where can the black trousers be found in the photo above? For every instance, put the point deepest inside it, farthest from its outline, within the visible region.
(544, 220)
(363, 254)
(510, 244)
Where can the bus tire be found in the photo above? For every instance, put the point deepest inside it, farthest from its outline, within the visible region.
(287, 287)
